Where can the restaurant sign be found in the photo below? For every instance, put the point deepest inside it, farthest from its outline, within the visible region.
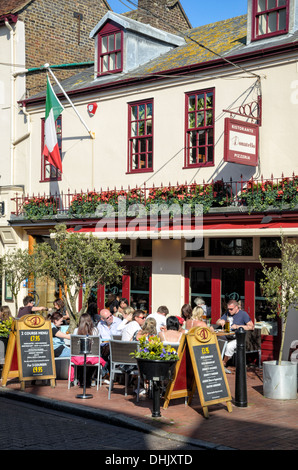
(241, 142)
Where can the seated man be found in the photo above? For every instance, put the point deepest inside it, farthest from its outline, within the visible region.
(237, 318)
(107, 326)
(138, 320)
(160, 317)
(28, 307)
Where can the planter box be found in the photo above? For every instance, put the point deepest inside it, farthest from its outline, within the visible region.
(156, 370)
(280, 381)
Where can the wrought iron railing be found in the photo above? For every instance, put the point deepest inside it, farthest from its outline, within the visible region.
(256, 194)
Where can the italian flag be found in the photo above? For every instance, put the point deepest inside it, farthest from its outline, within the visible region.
(53, 110)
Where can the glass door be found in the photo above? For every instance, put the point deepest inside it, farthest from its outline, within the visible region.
(217, 283)
(200, 285)
(140, 281)
(232, 287)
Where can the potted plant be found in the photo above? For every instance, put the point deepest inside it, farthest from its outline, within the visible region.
(280, 288)
(156, 362)
(39, 206)
(5, 328)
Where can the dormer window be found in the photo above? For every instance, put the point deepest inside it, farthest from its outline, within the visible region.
(110, 56)
(270, 18)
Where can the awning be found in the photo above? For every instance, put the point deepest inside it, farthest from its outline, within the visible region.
(207, 230)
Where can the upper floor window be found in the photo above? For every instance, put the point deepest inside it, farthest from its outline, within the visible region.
(270, 18)
(110, 56)
(140, 138)
(50, 172)
(199, 136)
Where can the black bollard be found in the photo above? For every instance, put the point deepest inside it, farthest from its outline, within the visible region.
(156, 399)
(240, 384)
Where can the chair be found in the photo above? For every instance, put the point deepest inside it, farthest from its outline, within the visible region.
(253, 343)
(120, 355)
(117, 337)
(75, 350)
(222, 343)
(62, 367)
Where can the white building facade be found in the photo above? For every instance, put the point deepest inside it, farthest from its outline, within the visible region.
(209, 116)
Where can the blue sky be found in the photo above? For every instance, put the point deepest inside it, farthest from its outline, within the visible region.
(199, 12)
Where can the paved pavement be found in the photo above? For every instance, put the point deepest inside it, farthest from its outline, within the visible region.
(263, 424)
(33, 427)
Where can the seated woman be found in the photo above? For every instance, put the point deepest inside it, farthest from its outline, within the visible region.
(127, 315)
(196, 319)
(60, 308)
(5, 313)
(173, 333)
(149, 329)
(60, 348)
(86, 327)
(186, 312)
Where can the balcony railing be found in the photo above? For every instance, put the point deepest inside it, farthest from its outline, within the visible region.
(255, 195)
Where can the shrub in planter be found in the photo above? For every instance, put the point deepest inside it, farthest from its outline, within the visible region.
(5, 327)
(191, 195)
(261, 195)
(280, 287)
(38, 207)
(88, 204)
(155, 359)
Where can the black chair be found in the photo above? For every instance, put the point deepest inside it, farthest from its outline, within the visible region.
(122, 362)
(253, 343)
(75, 350)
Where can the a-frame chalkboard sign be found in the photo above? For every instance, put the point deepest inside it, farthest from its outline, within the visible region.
(200, 365)
(30, 353)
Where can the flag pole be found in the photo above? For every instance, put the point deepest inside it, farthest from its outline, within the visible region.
(92, 135)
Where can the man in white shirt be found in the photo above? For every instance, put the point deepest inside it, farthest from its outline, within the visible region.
(107, 326)
(160, 317)
(136, 324)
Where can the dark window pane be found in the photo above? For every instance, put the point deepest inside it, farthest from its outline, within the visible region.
(231, 246)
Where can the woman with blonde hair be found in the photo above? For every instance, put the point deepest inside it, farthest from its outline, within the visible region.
(149, 329)
(126, 318)
(196, 319)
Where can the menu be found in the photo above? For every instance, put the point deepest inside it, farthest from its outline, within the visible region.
(36, 354)
(210, 372)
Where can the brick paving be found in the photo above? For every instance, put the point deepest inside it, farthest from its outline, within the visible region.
(264, 424)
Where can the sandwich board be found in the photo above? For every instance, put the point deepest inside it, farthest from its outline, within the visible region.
(30, 352)
(199, 356)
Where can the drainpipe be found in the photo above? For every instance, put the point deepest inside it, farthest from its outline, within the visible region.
(12, 95)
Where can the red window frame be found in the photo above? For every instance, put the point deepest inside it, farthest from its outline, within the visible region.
(140, 136)
(270, 344)
(48, 171)
(199, 128)
(110, 50)
(272, 10)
